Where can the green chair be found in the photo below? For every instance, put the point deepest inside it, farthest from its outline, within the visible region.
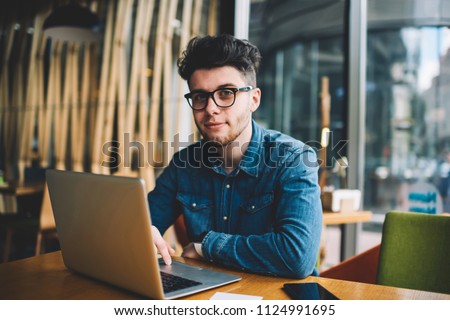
(414, 254)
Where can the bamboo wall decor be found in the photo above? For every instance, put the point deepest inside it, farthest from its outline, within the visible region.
(65, 106)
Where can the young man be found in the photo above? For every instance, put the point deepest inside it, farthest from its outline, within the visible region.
(249, 196)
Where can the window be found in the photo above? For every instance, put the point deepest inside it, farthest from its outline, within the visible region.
(407, 107)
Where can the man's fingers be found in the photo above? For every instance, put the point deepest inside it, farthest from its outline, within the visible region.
(166, 255)
(163, 247)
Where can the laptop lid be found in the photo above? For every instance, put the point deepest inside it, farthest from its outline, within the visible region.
(104, 229)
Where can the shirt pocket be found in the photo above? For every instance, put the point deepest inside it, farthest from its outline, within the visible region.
(197, 212)
(257, 214)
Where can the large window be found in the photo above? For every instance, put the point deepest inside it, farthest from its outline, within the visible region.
(292, 96)
(407, 108)
(407, 97)
(299, 47)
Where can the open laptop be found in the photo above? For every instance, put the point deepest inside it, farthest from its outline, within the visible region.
(104, 229)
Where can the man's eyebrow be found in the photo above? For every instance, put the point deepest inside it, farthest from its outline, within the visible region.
(225, 85)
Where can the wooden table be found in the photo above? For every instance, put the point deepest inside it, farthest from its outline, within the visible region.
(45, 277)
(346, 217)
(349, 223)
(21, 189)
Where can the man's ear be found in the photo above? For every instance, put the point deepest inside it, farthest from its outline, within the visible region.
(255, 99)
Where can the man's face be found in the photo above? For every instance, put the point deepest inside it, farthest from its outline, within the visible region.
(224, 125)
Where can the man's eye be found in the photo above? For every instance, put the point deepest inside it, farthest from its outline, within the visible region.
(199, 97)
(225, 93)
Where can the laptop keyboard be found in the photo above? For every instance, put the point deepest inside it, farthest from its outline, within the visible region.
(172, 283)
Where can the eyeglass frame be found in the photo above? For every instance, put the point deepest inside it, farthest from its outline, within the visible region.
(211, 95)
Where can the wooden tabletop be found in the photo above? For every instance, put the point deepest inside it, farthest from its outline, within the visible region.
(346, 217)
(45, 277)
(22, 189)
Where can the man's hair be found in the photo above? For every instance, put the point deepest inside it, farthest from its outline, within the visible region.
(218, 51)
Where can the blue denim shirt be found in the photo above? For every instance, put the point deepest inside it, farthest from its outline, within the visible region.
(265, 216)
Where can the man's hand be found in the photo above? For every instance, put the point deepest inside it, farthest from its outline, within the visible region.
(162, 246)
(190, 252)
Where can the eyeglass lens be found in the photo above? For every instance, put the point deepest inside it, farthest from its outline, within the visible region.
(221, 97)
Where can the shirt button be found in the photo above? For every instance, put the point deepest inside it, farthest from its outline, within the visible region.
(228, 186)
(225, 218)
(253, 207)
(194, 205)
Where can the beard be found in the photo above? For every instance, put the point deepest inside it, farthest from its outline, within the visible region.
(231, 136)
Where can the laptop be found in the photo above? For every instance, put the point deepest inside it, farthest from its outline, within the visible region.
(104, 229)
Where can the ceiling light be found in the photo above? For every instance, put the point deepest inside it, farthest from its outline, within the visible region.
(72, 22)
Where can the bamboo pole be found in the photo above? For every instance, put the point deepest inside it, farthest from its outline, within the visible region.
(81, 102)
(93, 91)
(76, 128)
(157, 75)
(27, 128)
(184, 39)
(62, 130)
(57, 111)
(51, 101)
(93, 103)
(37, 103)
(38, 111)
(41, 106)
(146, 171)
(196, 22)
(212, 17)
(17, 107)
(100, 114)
(59, 107)
(196, 17)
(168, 93)
(84, 105)
(5, 105)
(118, 46)
(122, 85)
(132, 96)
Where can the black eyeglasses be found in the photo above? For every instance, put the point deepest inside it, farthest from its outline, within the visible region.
(222, 97)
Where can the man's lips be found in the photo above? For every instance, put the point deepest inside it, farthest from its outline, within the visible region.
(214, 124)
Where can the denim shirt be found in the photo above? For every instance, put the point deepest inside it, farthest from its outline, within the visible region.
(264, 217)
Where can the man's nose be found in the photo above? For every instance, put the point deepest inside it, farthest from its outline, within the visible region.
(211, 106)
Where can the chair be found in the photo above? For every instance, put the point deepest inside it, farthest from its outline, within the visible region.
(414, 254)
(21, 222)
(415, 251)
(360, 268)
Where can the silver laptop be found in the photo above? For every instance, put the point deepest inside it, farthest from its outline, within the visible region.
(104, 229)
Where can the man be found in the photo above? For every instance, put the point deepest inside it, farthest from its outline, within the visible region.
(249, 196)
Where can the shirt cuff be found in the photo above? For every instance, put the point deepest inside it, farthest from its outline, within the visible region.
(198, 248)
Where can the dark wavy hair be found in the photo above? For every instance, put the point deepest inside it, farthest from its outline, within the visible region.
(218, 51)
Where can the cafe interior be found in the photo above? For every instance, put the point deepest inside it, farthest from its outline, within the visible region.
(366, 83)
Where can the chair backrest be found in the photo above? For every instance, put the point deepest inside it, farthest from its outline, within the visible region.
(415, 252)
